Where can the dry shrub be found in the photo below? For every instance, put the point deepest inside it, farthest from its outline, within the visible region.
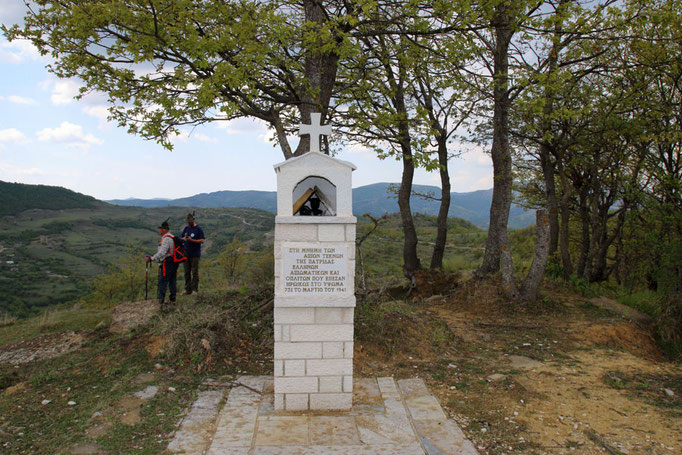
(627, 336)
(7, 319)
(226, 327)
(670, 319)
(435, 282)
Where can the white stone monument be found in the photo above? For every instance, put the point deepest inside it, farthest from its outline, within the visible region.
(314, 281)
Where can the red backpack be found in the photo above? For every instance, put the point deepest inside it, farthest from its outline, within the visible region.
(178, 249)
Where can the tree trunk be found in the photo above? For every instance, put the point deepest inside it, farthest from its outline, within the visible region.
(550, 193)
(320, 69)
(410, 259)
(548, 145)
(585, 227)
(598, 227)
(442, 221)
(565, 224)
(529, 288)
(502, 184)
(600, 272)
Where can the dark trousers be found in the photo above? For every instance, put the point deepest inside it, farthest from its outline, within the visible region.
(168, 275)
(192, 274)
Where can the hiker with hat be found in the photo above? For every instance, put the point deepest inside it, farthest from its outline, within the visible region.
(193, 236)
(168, 268)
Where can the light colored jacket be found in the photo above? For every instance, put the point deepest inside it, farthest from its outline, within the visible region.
(165, 248)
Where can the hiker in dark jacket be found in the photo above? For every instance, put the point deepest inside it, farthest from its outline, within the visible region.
(193, 236)
(168, 269)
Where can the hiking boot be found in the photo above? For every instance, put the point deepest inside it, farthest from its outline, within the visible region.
(186, 293)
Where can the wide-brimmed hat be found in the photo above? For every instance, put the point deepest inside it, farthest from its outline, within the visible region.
(164, 225)
(190, 217)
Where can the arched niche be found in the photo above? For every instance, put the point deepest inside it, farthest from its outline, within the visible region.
(314, 196)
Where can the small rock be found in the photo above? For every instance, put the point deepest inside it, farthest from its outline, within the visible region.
(158, 366)
(71, 403)
(452, 365)
(147, 393)
(171, 389)
(669, 392)
(497, 377)
(434, 299)
(15, 389)
(44, 402)
(523, 363)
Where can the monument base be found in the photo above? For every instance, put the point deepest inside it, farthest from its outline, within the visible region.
(387, 418)
(313, 358)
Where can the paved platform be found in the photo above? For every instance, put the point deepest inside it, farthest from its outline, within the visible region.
(387, 418)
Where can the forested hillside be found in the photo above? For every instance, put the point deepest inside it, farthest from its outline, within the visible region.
(18, 197)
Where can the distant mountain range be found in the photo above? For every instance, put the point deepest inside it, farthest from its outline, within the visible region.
(376, 199)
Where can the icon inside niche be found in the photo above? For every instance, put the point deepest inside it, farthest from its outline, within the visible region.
(313, 202)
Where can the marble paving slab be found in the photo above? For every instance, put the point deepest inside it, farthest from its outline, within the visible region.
(387, 418)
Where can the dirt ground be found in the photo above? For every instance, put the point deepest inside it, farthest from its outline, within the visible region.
(128, 315)
(41, 348)
(565, 376)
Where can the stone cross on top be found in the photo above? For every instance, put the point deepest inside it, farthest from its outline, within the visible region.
(315, 130)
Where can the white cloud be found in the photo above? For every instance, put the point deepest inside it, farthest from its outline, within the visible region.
(12, 12)
(268, 137)
(21, 100)
(17, 51)
(359, 149)
(181, 136)
(11, 172)
(14, 136)
(69, 134)
(473, 155)
(64, 91)
(46, 84)
(185, 136)
(100, 112)
(204, 138)
(242, 126)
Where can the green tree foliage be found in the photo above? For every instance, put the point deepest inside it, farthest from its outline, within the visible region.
(168, 63)
(231, 261)
(123, 282)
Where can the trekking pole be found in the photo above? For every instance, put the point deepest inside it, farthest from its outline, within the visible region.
(146, 279)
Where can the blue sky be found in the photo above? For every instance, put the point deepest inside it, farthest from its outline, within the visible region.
(47, 137)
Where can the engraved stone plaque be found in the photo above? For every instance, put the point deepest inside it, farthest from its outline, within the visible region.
(315, 269)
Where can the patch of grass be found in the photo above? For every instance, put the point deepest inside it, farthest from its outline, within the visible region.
(158, 421)
(649, 387)
(54, 321)
(6, 319)
(592, 311)
(648, 302)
